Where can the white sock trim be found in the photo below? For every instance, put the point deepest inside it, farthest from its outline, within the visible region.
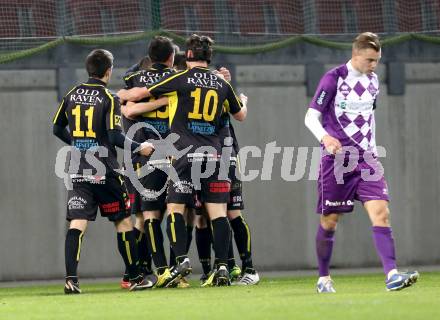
(324, 279)
(391, 273)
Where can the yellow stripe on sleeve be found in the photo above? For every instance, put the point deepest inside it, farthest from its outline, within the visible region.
(236, 97)
(61, 105)
(132, 75)
(167, 80)
(112, 108)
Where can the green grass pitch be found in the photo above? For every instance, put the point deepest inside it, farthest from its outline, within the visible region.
(358, 297)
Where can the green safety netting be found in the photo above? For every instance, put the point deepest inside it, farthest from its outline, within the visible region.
(290, 41)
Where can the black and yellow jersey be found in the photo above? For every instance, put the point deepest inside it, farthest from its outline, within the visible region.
(196, 104)
(157, 119)
(90, 110)
(227, 131)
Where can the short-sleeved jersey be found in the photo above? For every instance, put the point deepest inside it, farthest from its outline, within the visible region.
(347, 100)
(197, 97)
(158, 119)
(90, 110)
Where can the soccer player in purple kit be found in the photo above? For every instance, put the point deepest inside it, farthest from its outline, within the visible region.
(341, 116)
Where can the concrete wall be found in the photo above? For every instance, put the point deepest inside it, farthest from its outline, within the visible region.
(280, 213)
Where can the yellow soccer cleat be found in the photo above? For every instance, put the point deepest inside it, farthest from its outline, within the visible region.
(209, 282)
(183, 283)
(163, 279)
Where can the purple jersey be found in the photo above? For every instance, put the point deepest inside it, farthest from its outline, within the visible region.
(346, 99)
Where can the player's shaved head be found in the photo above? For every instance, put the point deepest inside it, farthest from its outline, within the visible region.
(160, 49)
(98, 62)
(201, 47)
(367, 40)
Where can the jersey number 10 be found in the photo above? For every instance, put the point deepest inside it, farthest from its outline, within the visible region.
(89, 114)
(211, 95)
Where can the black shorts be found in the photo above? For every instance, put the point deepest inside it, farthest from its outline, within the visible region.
(90, 192)
(212, 189)
(150, 193)
(236, 194)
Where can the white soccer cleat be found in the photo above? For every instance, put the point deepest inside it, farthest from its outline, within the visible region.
(325, 285)
(401, 280)
(249, 279)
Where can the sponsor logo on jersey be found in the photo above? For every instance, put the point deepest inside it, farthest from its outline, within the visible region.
(321, 97)
(199, 157)
(150, 77)
(85, 144)
(205, 80)
(203, 128)
(86, 96)
(160, 125)
(78, 178)
(343, 105)
(356, 106)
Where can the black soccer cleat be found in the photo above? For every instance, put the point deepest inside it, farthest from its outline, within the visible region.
(141, 283)
(71, 287)
(177, 272)
(221, 277)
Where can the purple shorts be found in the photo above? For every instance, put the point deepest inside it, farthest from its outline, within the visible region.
(339, 186)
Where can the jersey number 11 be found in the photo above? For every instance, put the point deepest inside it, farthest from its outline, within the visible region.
(89, 114)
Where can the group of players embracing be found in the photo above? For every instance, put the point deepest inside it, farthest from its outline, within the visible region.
(180, 165)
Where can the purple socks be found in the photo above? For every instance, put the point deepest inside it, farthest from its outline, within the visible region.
(384, 242)
(324, 248)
